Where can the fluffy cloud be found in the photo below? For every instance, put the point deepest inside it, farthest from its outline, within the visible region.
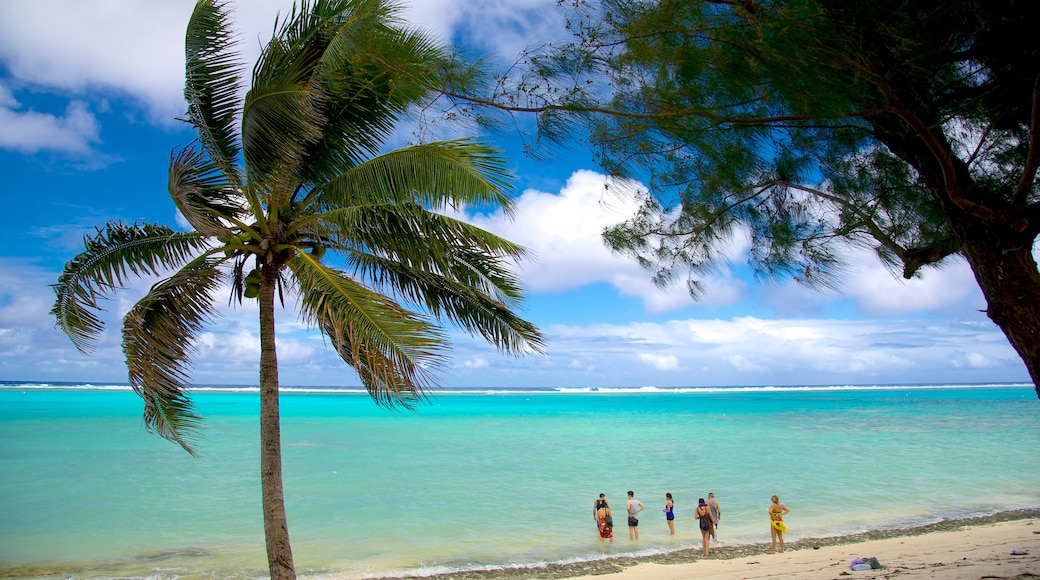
(75, 132)
(659, 362)
(563, 231)
(136, 49)
(753, 351)
(502, 27)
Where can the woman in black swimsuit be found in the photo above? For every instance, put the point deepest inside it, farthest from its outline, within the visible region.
(703, 514)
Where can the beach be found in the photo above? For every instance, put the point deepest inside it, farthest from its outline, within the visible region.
(974, 548)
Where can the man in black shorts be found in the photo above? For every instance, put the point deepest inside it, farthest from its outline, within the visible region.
(634, 507)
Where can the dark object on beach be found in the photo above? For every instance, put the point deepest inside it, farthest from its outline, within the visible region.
(816, 547)
(1019, 552)
(870, 563)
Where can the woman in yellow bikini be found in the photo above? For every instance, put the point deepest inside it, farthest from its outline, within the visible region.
(777, 529)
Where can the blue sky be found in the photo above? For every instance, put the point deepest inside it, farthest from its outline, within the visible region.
(88, 94)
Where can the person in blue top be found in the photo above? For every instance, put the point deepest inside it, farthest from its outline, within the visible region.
(669, 514)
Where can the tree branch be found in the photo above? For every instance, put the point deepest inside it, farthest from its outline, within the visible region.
(951, 181)
(677, 114)
(875, 231)
(1025, 184)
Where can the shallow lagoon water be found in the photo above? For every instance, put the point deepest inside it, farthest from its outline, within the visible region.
(484, 479)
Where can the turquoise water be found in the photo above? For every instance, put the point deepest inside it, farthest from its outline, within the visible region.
(482, 480)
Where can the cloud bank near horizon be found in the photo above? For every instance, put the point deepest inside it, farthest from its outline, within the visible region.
(678, 346)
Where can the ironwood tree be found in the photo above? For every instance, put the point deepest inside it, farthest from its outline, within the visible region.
(911, 127)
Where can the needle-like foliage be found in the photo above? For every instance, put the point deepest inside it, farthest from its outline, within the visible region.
(910, 128)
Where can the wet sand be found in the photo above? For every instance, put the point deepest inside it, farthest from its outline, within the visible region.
(976, 548)
(971, 548)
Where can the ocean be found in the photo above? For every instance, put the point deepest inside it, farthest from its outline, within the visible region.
(484, 479)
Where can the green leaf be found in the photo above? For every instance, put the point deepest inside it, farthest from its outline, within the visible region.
(440, 174)
(112, 255)
(213, 83)
(157, 341)
(202, 193)
(394, 351)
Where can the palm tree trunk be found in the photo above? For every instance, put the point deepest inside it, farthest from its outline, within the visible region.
(276, 526)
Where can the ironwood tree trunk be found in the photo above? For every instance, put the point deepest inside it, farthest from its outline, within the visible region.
(1007, 274)
(996, 237)
(276, 527)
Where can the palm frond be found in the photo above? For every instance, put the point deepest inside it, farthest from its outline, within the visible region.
(457, 297)
(157, 342)
(202, 193)
(451, 173)
(372, 68)
(395, 351)
(455, 270)
(412, 234)
(282, 111)
(110, 257)
(213, 83)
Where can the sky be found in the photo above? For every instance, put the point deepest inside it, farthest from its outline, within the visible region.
(89, 93)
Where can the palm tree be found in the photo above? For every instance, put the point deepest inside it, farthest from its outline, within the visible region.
(299, 202)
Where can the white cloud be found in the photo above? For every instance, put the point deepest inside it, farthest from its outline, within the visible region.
(137, 48)
(879, 292)
(30, 131)
(975, 360)
(475, 363)
(659, 362)
(742, 363)
(132, 47)
(503, 27)
(750, 350)
(7, 100)
(876, 291)
(563, 231)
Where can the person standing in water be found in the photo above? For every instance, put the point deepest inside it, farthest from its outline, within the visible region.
(716, 514)
(777, 529)
(707, 524)
(596, 504)
(669, 514)
(603, 518)
(634, 507)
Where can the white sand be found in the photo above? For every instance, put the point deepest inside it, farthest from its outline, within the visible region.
(977, 552)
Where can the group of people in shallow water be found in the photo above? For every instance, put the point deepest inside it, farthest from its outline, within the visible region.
(708, 513)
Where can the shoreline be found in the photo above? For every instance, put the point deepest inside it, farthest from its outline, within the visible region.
(964, 548)
(689, 562)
